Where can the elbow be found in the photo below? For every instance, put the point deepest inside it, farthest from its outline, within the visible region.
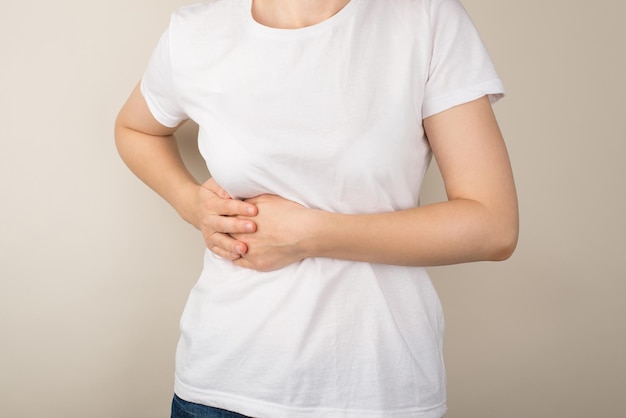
(504, 251)
(504, 243)
(118, 132)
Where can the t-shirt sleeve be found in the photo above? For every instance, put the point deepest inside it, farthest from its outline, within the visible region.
(158, 87)
(460, 69)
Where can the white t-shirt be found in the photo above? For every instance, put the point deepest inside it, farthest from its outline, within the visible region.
(329, 116)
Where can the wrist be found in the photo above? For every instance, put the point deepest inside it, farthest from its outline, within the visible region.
(313, 243)
(185, 202)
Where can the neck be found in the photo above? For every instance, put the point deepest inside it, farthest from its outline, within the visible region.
(295, 14)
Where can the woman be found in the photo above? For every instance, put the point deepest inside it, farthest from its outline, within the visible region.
(317, 121)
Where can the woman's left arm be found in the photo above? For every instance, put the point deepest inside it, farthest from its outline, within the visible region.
(478, 222)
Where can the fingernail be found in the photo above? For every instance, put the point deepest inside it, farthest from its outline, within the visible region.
(249, 227)
(240, 249)
(250, 211)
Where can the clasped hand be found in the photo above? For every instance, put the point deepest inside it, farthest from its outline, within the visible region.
(263, 233)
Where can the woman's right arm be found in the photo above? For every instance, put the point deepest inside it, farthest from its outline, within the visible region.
(150, 150)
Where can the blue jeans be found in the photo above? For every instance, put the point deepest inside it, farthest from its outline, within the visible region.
(184, 409)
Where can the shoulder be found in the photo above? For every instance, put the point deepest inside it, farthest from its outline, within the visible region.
(413, 12)
(413, 7)
(210, 20)
(209, 12)
(207, 7)
(398, 17)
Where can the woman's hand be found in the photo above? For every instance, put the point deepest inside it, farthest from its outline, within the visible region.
(282, 237)
(215, 215)
(151, 152)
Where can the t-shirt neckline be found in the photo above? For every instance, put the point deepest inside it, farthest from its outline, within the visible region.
(332, 21)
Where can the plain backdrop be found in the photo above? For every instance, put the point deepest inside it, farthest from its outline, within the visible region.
(95, 268)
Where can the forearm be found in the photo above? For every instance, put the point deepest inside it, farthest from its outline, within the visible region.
(479, 221)
(451, 232)
(157, 162)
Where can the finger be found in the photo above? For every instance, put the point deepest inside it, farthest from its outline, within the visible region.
(234, 207)
(224, 254)
(225, 246)
(230, 225)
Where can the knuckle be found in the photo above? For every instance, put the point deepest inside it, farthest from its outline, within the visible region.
(232, 207)
(207, 223)
(215, 223)
(213, 241)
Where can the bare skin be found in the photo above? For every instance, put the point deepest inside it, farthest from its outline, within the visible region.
(294, 14)
(479, 221)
